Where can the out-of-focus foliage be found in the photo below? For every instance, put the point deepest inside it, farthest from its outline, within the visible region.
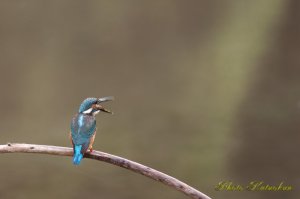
(205, 91)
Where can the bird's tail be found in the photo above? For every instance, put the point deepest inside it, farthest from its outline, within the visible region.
(77, 157)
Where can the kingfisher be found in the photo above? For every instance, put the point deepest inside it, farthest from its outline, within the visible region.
(83, 126)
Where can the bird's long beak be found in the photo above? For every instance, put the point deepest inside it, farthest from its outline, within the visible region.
(105, 110)
(101, 108)
(105, 99)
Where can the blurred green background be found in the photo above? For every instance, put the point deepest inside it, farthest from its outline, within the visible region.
(206, 91)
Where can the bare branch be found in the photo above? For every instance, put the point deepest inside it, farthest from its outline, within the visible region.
(106, 157)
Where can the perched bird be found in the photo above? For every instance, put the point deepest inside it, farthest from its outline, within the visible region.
(83, 126)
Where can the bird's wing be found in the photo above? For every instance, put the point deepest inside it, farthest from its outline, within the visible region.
(83, 128)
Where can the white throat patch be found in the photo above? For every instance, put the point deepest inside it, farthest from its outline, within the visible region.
(88, 111)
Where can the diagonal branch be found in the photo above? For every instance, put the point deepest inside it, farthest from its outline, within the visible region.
(106, 157)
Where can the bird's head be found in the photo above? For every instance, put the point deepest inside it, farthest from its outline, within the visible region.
(92, 105)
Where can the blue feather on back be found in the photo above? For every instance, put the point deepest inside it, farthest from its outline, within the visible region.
(83, 128)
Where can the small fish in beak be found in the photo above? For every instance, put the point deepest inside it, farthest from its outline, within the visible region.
(101, 108)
